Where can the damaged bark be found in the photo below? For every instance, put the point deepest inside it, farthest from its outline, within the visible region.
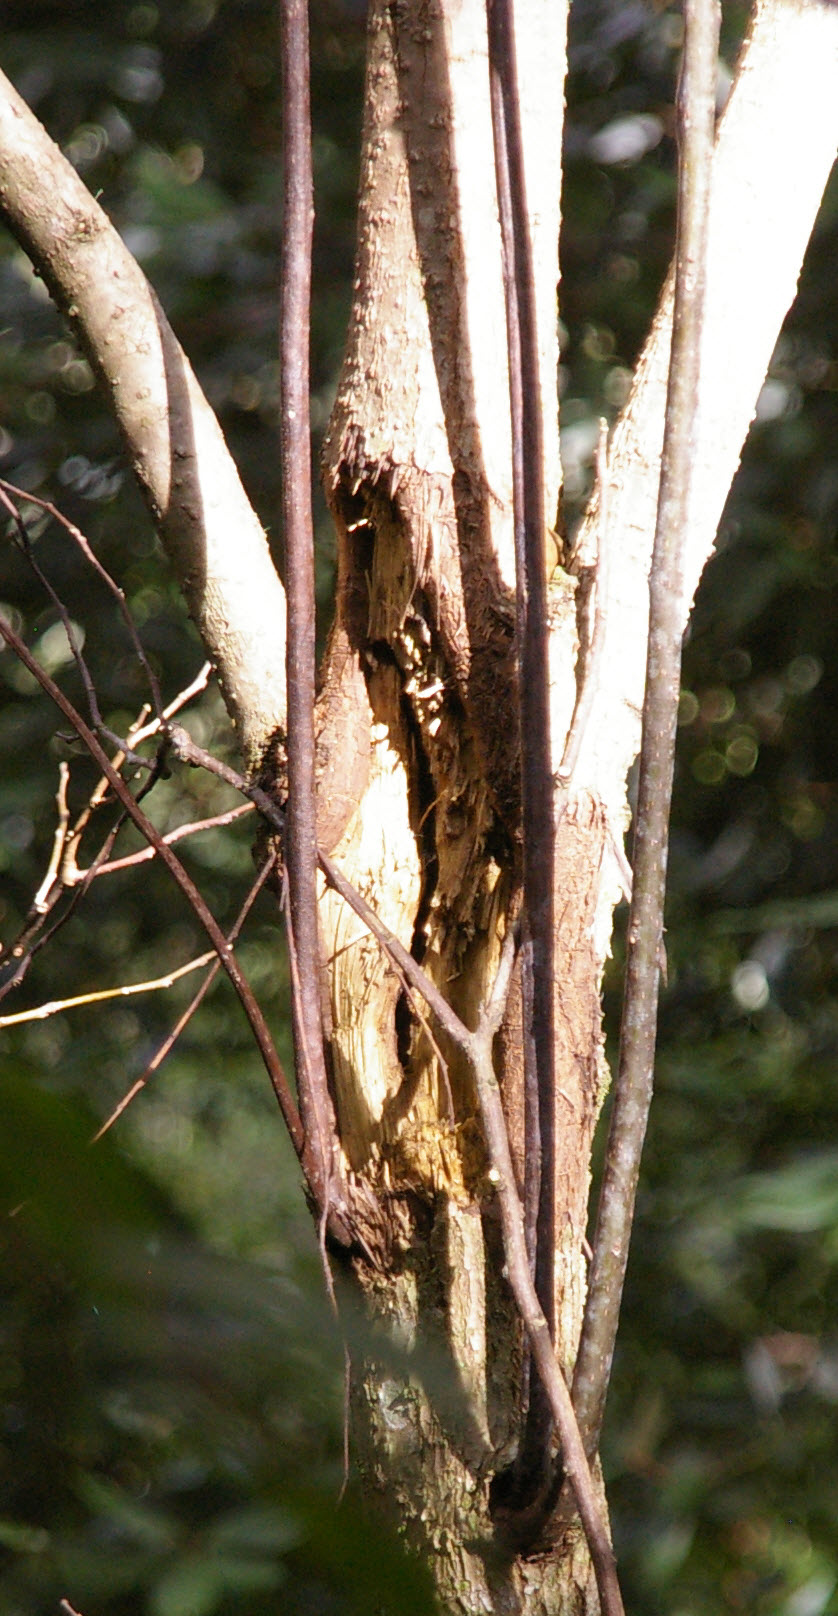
(418, 472)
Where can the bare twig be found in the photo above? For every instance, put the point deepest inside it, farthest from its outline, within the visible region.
(184, 1019)
(127, 990)
(90, 556)
(696, 109)
(478, 1047)
(69, 629)
(36, 933)
(300, 850)
(39, 902)
(63, 872)
(195, 827)
(247, 999)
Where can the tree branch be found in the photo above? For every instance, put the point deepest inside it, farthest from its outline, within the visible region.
(633, 1093)
(8, 493)
(163, 1050)
(211, 534)
(775, 148)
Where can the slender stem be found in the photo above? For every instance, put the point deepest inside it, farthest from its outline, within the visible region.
(316, 1110)
(574, 1459)
(93, 560)
(163, 1050)
(633, 1092)
(533, 651)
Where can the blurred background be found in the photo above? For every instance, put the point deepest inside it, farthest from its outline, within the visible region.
(170, 1382)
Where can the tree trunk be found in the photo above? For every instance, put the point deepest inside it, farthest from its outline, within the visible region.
(420, 784)
(419, 712)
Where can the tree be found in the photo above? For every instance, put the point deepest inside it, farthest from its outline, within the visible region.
(419, 796)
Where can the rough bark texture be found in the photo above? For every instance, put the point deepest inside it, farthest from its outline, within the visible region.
(422, 656)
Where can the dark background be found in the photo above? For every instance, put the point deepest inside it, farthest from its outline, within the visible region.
(170, 1382)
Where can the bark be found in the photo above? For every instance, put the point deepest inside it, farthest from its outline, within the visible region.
(418, 468)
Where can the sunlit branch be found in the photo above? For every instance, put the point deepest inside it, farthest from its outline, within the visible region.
(633, 1092)
(36, 932)
(66, 876)
(127, 990)
(195, 827)
(59, 840)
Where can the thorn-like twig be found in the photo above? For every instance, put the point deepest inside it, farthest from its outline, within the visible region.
(127, 990)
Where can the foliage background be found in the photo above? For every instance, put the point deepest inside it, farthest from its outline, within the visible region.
(170, 1383)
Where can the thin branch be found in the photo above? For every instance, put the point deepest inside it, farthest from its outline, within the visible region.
(194, 1004)
(126, 990)
(633, 1093)
(300, 850)
(247, 999)
(140, 731)
(574, 1459)
(34, 936)
(478, 1051)
(63, 872)
(90, 556)
(69, 629)
(195, 827)
(36, 933)
(59, 840)
(533, 653)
